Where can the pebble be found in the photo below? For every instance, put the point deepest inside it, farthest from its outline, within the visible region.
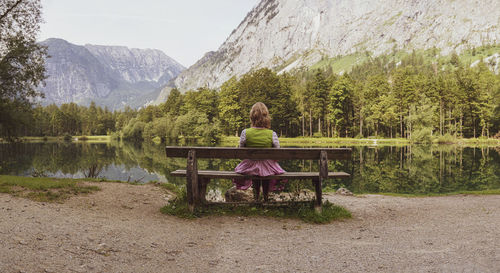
(344, 191)
(103, 249)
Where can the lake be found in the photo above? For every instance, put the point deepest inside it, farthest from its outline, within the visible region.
(414, 169)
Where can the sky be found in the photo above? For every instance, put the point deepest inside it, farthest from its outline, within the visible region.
(184, 29)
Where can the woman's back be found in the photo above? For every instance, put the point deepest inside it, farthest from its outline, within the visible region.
(259, 138)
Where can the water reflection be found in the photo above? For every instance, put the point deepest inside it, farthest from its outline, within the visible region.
(402, 169)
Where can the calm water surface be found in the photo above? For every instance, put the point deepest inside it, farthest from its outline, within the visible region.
(388, 169)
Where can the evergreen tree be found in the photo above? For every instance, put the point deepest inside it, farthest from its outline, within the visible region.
(229, 107)
(340, 91)
(317, 90)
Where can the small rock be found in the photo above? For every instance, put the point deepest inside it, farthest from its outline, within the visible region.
(344, 191)
(103, 249)
(235, 195)
(173, 252)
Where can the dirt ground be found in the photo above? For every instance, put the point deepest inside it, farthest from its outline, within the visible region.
(120, 229)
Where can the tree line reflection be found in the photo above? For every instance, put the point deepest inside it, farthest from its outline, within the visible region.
(388, 169)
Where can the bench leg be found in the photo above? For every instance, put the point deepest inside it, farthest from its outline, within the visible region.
(256, 186)
(192, 180)
(202, 189)
(265, 190)
(318, 202)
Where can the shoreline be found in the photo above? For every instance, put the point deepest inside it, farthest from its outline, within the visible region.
(287, 141)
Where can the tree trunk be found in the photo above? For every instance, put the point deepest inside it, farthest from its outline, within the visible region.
(328, 128)
(319, 125)
(310, 123)
(461, 126)
(303, 126)
(441, 118)
(401, 125)
(474, 125)
(360, 124)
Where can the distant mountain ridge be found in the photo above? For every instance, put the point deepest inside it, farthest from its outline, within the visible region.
(288, 34)
(137, 65)
(112, 76)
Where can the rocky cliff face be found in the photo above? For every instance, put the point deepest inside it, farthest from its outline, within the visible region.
(138, 65)
(110, 76)
(285, 34)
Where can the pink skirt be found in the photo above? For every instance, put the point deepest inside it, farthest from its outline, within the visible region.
(260, 168)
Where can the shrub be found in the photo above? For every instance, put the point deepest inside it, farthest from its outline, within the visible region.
(67, 137)
(423, 135)
(445, 139)
(318, 134)
(134, 130)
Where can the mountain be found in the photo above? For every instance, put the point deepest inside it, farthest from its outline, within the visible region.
(112, 76)
(138, 65)
(288, 34)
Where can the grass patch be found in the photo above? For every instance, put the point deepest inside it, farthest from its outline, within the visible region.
(322, 141)
(36, 139)
(325, 141)
(340, 63)
(304, 211)
(473, 54)
(43, 189)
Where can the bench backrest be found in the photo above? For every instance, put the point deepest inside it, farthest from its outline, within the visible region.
(259, 153)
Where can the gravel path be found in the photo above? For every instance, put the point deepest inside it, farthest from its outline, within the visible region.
(120, 229)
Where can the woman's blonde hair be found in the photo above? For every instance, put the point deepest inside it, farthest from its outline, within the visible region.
(259, 116)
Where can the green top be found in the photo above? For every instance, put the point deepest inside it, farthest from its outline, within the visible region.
(259, 138)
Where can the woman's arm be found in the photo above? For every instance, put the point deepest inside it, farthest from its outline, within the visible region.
(276, 142)
(243, 138)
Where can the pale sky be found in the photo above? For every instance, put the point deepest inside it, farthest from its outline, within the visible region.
(184, 29)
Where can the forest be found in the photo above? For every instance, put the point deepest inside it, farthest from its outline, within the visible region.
(417, 97)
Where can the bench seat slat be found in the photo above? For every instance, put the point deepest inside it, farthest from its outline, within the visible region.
(259, 153)
(231, 174)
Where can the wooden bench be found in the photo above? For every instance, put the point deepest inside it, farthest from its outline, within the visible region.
(197, 180)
